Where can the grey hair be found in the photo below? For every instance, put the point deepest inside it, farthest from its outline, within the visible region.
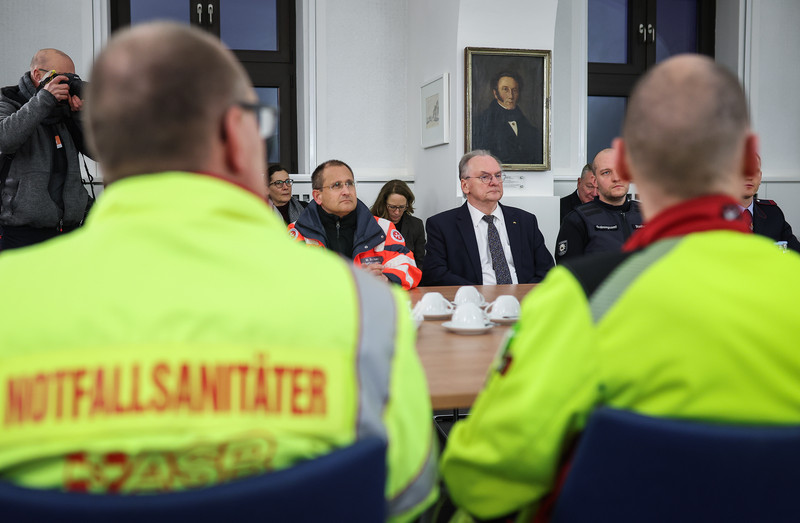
(462, 164)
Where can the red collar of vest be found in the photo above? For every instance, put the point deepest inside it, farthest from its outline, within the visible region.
(707, 213)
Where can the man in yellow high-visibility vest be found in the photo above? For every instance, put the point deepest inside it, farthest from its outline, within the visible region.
(171, 343)
(671, 326)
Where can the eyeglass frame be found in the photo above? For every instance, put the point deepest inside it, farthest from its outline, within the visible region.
(279, 183)
(266, 116)
(486, 178)
(347, 183)
(401, 208)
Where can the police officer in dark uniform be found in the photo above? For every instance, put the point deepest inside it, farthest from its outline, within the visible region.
(586, 192)
(604, 223)
(765, 217)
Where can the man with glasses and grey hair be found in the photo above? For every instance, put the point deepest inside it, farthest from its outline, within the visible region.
(156, 348)
(484, 242)
(339, 221)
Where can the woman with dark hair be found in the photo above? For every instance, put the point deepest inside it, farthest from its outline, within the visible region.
(279, 186)
(395, 203)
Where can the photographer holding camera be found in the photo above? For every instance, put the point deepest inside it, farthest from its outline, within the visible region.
(41, 193)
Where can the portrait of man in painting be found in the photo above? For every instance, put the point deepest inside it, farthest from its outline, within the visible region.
(507, 91)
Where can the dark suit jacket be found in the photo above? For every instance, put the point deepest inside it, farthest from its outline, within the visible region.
(414, 233)
(452, 255)
(493, 132)
(569, 202)
(769, 221)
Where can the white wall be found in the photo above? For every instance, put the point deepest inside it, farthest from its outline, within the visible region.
(29, 25)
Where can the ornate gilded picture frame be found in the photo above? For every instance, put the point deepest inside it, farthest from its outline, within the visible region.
(508, 106)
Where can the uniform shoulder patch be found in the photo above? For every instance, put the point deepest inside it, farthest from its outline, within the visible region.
(396, 236)
(293, 233)
(561, 248)
(766, 202)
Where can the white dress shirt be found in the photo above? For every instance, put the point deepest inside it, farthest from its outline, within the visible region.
(482, 235)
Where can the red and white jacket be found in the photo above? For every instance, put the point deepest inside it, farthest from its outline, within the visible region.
(376, 240)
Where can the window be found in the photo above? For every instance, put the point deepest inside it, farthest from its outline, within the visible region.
(626, 37)
(261, 35)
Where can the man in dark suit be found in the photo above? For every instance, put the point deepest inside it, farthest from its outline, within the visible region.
(586, 191)
(483, 242)
(503, 129)
(765, 217)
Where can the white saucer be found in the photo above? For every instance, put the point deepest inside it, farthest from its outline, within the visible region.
(443, 316)
(506, 320)
(466, 330)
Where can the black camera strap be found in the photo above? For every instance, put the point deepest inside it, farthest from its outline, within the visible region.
(4, 167)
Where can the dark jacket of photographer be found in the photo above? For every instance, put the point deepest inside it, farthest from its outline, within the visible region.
(43, 187)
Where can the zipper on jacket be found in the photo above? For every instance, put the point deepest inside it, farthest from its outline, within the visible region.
(626, 228)
(338, 225)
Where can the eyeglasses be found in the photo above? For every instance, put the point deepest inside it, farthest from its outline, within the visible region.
(486, 177)
(266, 115)
(338, 186)
(279, 183)
(401, 208)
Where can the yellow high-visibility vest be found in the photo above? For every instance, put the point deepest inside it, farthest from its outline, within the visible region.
(182, 339)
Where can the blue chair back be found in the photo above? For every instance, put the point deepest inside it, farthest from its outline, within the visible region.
(630, 467)
(345, 485)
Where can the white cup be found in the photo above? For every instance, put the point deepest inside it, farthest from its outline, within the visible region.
(503, 307)
(469, 294)
(433, 304)
(469, 316)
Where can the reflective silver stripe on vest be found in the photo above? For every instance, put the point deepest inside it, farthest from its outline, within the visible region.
(416, 491)
(375, 351)
(623, 276)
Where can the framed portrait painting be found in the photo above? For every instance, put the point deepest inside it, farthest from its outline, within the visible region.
(508, 106)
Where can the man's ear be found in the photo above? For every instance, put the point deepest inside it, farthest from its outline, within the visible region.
(621, 163)
(751, 163)
(36, 76)
(317, 195)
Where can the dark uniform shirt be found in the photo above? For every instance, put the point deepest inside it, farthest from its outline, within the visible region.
(568, 203)
(597, 227)
(769, 221)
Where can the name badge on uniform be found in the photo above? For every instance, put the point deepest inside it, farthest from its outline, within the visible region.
(606, 227)
(371, 260)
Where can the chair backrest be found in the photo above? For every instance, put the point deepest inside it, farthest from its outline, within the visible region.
(630, 467)
(345, 485)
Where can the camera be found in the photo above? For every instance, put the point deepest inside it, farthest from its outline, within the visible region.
(76, 85)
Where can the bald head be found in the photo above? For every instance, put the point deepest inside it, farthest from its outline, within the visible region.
(50, 60)
(685, 128)
(157, 97)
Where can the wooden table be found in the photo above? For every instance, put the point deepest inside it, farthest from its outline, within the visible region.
(456, 365)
